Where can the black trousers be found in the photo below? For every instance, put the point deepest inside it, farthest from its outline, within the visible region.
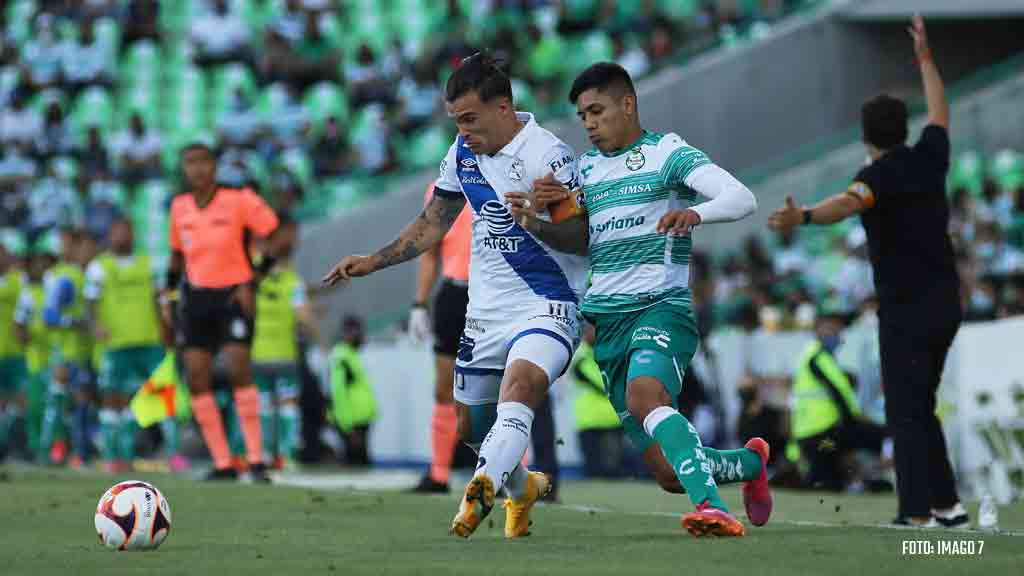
(827, 452)
(913, 355)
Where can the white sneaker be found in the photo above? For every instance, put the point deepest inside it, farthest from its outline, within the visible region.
(952, 517)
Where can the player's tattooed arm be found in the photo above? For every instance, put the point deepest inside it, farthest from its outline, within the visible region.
(425, 232)
(422, 234)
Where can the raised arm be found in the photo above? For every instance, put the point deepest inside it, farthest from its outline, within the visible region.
(934, 90)
(423, 233)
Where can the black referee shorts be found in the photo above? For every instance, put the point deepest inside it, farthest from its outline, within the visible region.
(449, 316)
(208, 318)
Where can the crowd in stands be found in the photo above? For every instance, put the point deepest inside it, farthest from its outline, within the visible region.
(778, 284)
(307, 99)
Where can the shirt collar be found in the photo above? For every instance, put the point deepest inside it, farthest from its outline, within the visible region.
(517, 142)
(623, 150)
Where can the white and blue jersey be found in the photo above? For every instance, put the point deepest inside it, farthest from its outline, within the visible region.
(518, 285)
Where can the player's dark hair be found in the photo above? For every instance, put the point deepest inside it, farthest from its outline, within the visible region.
(479, 73)
(606, 77)
(884, 121)
(198, 146)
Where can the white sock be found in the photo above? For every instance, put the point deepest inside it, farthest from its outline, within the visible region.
(505, 444)
(515, 486)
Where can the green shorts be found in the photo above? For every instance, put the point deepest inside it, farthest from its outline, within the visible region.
(279, 379)
(124, 370)
(13, 376)
(665, 328)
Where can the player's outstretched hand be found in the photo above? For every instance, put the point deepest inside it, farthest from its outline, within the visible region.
(350, 267)
(917, 32)
(678, 222)
(786, 218)
(521, 207)
(547, 191)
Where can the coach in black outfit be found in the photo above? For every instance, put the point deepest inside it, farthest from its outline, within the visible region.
(901, 199)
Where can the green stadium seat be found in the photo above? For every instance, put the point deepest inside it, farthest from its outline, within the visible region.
(224, 81)
(584, 51)
(141, 65)
(967, 171)
(108, 32)
(41, 100)
(148, 212)
(325, 99)
(19, 19)
(423, 148)
(678, 10)
(522, 95)
(93, 107)
(297, 162)
(1007, 168)
(185, 103)
(142, 101)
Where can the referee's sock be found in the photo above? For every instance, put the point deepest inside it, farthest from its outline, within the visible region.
(247, 405)
(443, 424)
(207, 414)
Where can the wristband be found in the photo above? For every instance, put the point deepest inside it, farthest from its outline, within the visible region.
(807, 216)
(419, 305)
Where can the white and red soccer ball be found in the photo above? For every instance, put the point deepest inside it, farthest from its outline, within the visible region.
(133, 515)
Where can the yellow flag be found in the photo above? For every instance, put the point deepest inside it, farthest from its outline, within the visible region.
(161, 396)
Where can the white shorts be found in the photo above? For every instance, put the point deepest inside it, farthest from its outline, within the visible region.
(545, 335)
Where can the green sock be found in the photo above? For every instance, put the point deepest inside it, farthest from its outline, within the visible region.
(287, 429)
(6, 419)
(126, 435)
(109, 426)
(53, 418)
(169, 428)
(35, 400)
(728, 466)
(681, 446)
(267, 411)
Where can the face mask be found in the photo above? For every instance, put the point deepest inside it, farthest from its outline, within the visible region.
(986, 250)
(831, 342)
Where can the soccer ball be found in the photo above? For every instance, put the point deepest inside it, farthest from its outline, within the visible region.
(133, 515)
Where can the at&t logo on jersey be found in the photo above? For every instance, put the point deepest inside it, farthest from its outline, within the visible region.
(499, 221)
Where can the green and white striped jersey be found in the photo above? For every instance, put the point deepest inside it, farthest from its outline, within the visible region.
(625, 193)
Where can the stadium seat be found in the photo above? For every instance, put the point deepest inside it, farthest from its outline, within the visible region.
(19, 20)
(678, 10)
(141, 65)
(142, 101)
(108, 32)
(423, 148)
(148, 212)
(297, 162)
(967, 171)
(325, 99)
(1007, 168)
(223, 83)
(93, 107)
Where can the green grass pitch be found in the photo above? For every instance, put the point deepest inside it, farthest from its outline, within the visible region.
(600, 528)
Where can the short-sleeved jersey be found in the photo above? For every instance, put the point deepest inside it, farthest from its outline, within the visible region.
(455, 247)
(213, 238)
(510, 268)
(625, 193)
(907, 225)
